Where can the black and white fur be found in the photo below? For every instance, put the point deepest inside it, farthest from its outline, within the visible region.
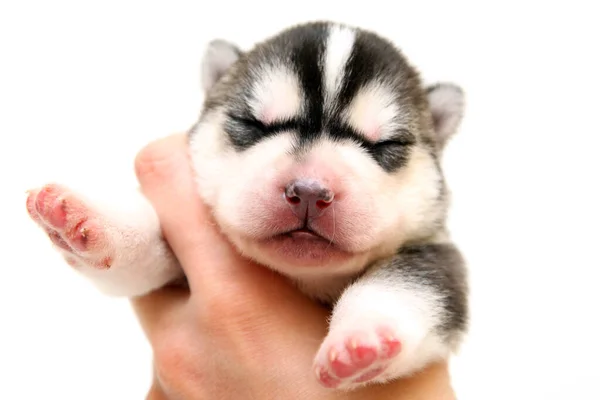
(332, 104)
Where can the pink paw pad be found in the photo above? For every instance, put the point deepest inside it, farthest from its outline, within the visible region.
(51, 207)
(357, 357)
(326, 379)
(356, 354)
(70, 225)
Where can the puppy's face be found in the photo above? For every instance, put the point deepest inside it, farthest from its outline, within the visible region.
(318, 149)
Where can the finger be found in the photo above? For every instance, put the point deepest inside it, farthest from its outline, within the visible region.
(160, 310)
(164, 172)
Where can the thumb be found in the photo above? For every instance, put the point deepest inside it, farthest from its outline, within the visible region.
(164, 171)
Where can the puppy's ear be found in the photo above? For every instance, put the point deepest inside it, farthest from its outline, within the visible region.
(447, 103)
(219, 56)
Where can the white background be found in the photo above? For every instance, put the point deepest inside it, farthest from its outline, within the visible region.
(83, 85)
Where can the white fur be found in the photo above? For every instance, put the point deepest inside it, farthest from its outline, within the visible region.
(208, 154)
(407, 308)
(276, 95)
(402, 203)
(373, 112)
(338, 50)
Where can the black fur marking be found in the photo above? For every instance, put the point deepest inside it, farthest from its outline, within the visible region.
(307, 60)
(245, 132)
(359, 70)
(302, 48)
(390, 154)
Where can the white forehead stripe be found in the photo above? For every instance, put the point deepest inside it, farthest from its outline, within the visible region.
(373, 112)
(276, 95)
(338, 49)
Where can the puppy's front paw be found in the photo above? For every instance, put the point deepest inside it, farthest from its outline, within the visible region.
(355, 355)
(117, 244)
(73, 227)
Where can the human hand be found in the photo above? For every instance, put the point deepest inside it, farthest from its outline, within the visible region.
(240, 330)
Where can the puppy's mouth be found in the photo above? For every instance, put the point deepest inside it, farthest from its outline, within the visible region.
(304, 247)
(303, 233)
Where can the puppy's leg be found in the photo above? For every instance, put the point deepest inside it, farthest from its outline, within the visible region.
(403, 314)
(118, 246)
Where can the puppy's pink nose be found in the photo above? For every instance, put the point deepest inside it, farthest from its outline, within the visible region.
(308, 198)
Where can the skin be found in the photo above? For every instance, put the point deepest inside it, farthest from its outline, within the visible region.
(239, 328)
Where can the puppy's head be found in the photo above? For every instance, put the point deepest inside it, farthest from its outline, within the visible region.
(318, 149)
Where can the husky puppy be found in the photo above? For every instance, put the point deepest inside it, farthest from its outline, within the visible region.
(318, 152)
